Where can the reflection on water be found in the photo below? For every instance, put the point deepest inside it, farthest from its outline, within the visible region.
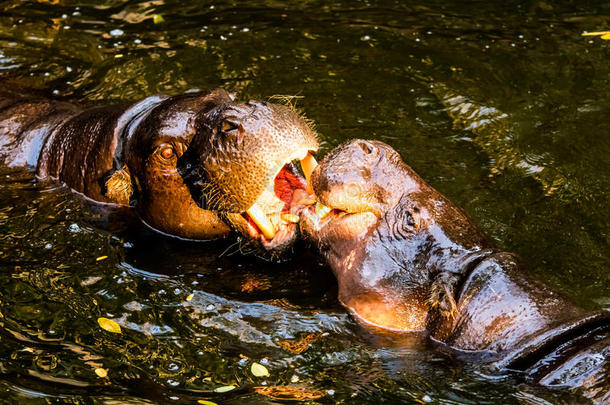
(501, 106)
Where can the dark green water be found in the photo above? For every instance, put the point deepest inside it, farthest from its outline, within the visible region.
(502, 106)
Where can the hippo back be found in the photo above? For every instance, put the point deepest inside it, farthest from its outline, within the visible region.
(26, 121)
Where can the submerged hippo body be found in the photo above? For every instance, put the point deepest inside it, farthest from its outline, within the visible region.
(407, 259)
(192, 165)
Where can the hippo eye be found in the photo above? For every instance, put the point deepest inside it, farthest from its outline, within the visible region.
(228, 126)
(167, 152)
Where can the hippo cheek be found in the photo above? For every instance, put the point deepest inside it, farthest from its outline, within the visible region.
(166, 204)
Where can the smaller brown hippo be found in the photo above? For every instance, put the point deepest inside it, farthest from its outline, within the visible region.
(407, 259)
(192, 166)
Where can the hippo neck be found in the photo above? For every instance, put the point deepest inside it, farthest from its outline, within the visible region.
(26, 122)
(83, 162)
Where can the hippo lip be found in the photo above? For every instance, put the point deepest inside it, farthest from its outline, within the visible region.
(321, 216)
(331, 211)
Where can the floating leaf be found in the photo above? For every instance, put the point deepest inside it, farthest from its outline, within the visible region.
(289, 393)
(158, 19)
(101, 372)
(259, 370)
(310, 36)
(252, 283)
(190, 297)
(602, 34)
(595, 34)
(225, 388)
(109, 325)
(299, 346)
(99, 259)
(206, 402)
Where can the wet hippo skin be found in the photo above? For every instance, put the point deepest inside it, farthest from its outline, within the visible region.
(191, 165)
(407, 259)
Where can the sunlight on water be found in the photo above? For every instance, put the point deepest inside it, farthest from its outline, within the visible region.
(502, 106)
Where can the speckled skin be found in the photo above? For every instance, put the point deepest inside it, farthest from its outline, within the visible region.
(407, 259)
(193, 159)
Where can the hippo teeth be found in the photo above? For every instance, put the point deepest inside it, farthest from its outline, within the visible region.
(308, 164)
(262, 221)
(322, 210)
(292, 218)
(307, 201)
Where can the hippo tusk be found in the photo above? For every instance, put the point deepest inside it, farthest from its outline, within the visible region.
(307, 201)
(322, 210)
(292, 218)
(261, 220)
(308, 164)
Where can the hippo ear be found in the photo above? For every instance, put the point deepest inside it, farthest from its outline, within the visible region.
(118, 186)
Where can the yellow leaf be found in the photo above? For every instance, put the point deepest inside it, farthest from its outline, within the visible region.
(101, 372)
(158, 19)
(225, 388)
(206, 402)
(290, 393)
(99, 259)
(190, 297)
(109, 325)
(606, 36)
(594, 34)
(299, 346)
(259, 370)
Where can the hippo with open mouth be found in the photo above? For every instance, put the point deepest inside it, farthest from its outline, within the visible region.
(407, 259)
(193, 166)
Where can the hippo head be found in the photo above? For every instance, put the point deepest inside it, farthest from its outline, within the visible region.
(197, 165)
(386, 233)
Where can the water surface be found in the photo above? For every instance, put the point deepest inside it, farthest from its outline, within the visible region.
(502, 106)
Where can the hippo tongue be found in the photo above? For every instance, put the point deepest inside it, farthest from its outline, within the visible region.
(286, 183)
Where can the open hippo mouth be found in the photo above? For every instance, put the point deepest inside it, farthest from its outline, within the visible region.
(273, 218)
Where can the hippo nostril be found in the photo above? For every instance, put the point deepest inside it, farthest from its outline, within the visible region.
(367, 147)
